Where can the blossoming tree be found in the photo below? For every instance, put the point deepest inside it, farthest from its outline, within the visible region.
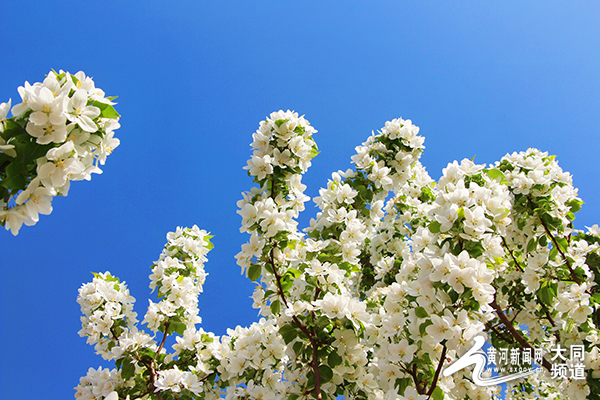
(60, 132)
(392, 282)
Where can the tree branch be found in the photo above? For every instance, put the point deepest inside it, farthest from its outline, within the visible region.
(560, 251)
(437, 373)
(517, 335)
(164, 338)
(501, 334)
(511, 254)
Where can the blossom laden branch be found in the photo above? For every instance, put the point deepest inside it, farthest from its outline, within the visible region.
(61, 132)
(517, 335)
(395, 276)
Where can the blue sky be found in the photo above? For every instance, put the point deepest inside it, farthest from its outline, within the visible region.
(194, 80)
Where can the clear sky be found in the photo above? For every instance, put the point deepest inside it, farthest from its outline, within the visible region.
(195, 78)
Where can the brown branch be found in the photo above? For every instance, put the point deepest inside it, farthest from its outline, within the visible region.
(164, 338)
(311, 337)
(413, 374)
(437, 373)
(420, 389)
(501, 334)
(511, 254)
(517, 335)
(153, 374)
(516, 315)
(549, 317)
(277, 276)
(150, 366)
(569, 237)
(315, 363)
(560, 251)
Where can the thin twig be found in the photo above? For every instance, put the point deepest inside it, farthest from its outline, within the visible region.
(516, 315)
(517, 335)
(501, 334)
(311, 337)
(164, 338)
(561, 252)
(511, 254)
(437, 373)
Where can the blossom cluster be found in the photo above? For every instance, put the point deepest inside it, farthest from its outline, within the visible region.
(107, 309)
(61, 132)
(98, 383)
(392, 281)
(178, 276)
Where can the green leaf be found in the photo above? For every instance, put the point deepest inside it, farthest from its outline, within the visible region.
(424, 326)
(294, 273)
(286, 284)
(438, 393)
(280, 121)
(434, 227)
(106, 110)
(14, 182)
(562, 243)
(426, 195)
(298, 346)
(254, 272)
(575, 205)
(15, 168)
(475, 249)
(31, 151)
(553, 253)
(495, 174)
(314, 151)
(421, 313)
(176, 326)
(594, 385)
(110, 278)
(288, 332)
(453, 295)
(546, 295)
(531, 245)
(326, 373)
(128, 369)
(334, 359)
(275, 307)
(403, 384)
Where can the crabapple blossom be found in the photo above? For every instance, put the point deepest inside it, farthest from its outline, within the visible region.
(61, 131)
(394, 280)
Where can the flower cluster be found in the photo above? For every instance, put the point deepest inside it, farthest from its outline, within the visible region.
(107, 309)
(254, 356)
(98, 384)
(178, 276)
(392, 282)
(60, 132)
